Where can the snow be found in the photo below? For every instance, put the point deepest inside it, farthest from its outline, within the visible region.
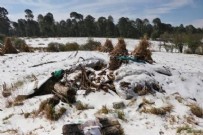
(186, 81)
(43, 42)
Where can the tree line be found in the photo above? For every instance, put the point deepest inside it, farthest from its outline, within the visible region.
(79, 26)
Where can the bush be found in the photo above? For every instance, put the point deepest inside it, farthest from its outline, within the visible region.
(54, 47)
(91, 45)
(107, 47)
(142, 51)
(193, 41)
(2, 37)
(188, 51)
(72, 46)
(199, 50)
(8, 47)
(18, 43)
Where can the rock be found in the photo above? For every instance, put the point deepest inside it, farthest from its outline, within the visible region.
(110, 126)
(118, 105)
(72, 129)
(163, 70)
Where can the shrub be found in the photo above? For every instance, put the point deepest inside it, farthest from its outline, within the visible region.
(188, 51)
(196, 110)
(142, 51)
(2, 36)
(21, 45)
(8, 47)
(1, 52)
(193, 41)
(1, 44)
(72, 46)
(107, 47)
(199, 50)
(53, 47)
(18, 43)
(91, 45)
(119, 50)
(62, 48)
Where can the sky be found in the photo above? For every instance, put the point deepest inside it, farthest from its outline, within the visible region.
(175, 12)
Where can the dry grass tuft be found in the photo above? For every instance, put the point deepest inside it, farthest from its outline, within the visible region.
(104, 110)
(186, 129)
(49, 110)
(121, 115)
(81, 106)
(158, 111)
(108, 46)
(132, 102)
(8, 48)
(179, 99)
(141, 90)
(20, 98)
(145, 101)
(142, 52)
(10, 131)
(51, 114)
(196, 110)
(119, 50)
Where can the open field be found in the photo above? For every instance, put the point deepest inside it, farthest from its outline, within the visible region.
(183, 88)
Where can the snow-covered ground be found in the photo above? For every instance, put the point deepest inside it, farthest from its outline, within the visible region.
(186, 82)
(43, 42)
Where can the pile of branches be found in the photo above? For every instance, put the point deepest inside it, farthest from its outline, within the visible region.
(85, 79)
(107, 47)
(142, 52)
(119, 50)
(85, 76)
(8, 47)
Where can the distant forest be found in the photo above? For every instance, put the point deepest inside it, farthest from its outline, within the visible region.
(87, 26)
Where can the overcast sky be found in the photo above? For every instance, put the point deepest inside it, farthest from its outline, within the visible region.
(175, 12)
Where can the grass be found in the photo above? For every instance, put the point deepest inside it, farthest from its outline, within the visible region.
(132, 102)
(18, 84)
(158, 111)
(145, 101)
(179, 99)
(104, 110)
(10, 131)
(9, 103)
(188, 129)
(50, 112)
(8, 117)
(121, 115)
(19, 100)
(196, 110)
(81, 106)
